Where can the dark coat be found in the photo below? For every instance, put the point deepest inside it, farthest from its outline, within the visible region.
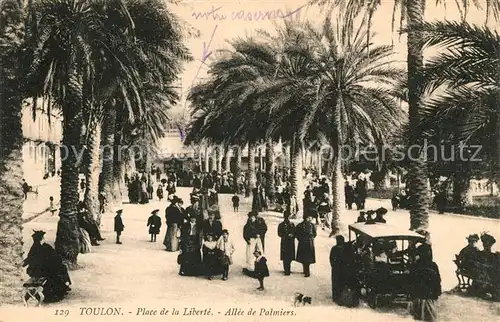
(119, 224)
(197, 183)
(215, 228)
(286, 231)
(154, 223)
(252, 229)
(305, 234)
(425, 281)
(261, 269)
(173, 215)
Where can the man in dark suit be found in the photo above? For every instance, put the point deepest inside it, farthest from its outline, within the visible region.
(212, 226)
(119, 227)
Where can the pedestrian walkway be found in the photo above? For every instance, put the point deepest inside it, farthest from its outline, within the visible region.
(37, 204)
(140, 274)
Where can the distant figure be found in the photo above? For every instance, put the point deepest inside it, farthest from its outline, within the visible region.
(154, 224)
(52, 207)
(102, 201)
(26, 189)
(236, 202)
(361, 217)
(159, 192)
(338, 267)
(261, 270)
(349, 195)
(82, 185)
(395, 201)
(379, 218)
(119, 227)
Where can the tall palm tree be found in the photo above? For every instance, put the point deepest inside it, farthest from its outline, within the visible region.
(11, 144)
(412, 11)
(465, 67)
(341, 90)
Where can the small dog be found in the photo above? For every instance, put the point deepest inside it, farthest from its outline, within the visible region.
(300, 298)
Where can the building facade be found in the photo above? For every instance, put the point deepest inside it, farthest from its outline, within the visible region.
(42, 136)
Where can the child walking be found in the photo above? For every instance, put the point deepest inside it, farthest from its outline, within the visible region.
(236, 202)
(225, 245)
(154, 224)
(261, 270)
(52, 208)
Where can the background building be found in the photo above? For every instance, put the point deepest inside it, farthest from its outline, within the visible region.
(42, 137)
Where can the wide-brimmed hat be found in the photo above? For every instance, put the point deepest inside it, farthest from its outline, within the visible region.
(381, 211)
(119, 211)
(155, 211)
(473, 237)
(487, 239)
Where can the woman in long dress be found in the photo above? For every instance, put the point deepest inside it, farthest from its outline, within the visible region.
(174, 219)
(44, 262)
(425, 282)
(190, 257)
(85, 244)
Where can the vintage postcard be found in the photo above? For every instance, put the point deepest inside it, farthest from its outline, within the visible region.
(253, 160)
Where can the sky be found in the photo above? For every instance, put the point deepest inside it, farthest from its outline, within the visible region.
(230, 19)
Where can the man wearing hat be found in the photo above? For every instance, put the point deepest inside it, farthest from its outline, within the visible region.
(469, 254)
(253, 233)
(379, 218)
(306, 254)
(119, 227)
(154, 224)
(370, 220)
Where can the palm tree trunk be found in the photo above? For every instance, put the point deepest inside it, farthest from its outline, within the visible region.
(237, 167)
(417, 174)
(338, 196)
(227, 165)
(91, 168)
(118, 171)
(320, 162)
(207, 160)
(218, 158)
(66, 243)
(295, 170)
(270, 184)
(11, 158)
(252, 178)
(461, 185)
(108, 143)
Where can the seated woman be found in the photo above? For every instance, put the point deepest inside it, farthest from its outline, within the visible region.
(44, 262)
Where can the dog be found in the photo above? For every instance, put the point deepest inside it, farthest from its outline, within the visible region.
(300, 298)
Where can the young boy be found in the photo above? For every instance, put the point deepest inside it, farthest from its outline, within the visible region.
(227, 248)
(236, 202)
(119, 225)
(261, 270)
(154, 224)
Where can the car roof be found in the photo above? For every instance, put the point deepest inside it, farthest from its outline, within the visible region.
(380, 230)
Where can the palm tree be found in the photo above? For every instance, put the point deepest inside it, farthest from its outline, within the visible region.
(467, 109)
(412, 11)
(337, 87)
(11, 143)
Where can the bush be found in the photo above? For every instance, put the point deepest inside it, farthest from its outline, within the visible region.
(382, 194)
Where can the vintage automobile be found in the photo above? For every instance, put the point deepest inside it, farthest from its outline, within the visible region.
(383, 255)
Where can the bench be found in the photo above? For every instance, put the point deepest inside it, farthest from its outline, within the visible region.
(33, 289)
(480, 274)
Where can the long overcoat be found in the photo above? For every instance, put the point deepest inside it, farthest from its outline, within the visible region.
(286, 231)
(154, 223)
(305, 234)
